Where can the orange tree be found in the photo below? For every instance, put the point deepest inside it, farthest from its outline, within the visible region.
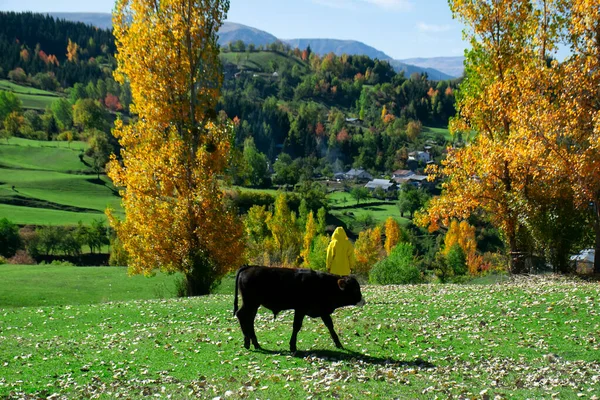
(566, 116)
(499, 171)
(176, 148)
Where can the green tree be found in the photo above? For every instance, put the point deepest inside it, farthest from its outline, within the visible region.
(9, 103)
(257, 166)
(89, 114)
(359, 193)
(10, 241)
(99, 150)
(400, 267)
(456, 260)
(14, 122)
(411, 199)
(62, 111)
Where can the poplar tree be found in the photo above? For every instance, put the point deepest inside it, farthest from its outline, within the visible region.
(176, 148)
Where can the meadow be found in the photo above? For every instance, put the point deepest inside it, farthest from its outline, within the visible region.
(31, 98)
(47, 183)
(526, 338)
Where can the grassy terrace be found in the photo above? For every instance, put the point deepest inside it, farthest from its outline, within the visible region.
(47, 183)
(533, 338)
(30, 97)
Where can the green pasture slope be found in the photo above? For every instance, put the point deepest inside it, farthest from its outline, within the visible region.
(46, 183)
(31, 98)
(57, 285)
(260, 61)
(527, 339)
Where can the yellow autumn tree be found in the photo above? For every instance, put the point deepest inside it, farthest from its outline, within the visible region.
(176, 148)
(72, 51)
(498, 170)
(392, 234)
(463, 234)
(309, 234)
(565, 116)
(286, 236)
(367, 249)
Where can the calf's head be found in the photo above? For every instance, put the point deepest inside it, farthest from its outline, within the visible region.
(351, 291)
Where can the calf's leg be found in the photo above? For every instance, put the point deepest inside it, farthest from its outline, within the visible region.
(298, 317)
(329, 324)
(246, 315)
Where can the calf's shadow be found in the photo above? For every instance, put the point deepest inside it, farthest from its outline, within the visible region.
(350, 355)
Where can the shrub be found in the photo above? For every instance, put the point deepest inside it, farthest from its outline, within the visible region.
(34, 135)
(10, 241)
(21, 258)
(118, 255)
(398, 268)
(3, 260)
(317, 257)
(456, 260)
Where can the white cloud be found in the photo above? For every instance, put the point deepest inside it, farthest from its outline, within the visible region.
(423, 27)
(400, 5)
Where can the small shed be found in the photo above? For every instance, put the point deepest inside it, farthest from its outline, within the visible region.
(584, 261)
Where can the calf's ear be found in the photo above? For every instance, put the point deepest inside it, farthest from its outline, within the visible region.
(342, 284)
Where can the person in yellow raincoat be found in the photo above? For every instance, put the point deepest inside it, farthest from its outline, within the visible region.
(340, 253)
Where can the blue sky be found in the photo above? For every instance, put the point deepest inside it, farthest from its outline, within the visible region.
(400, 28)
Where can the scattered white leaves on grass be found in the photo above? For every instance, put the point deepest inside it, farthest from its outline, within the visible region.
(535, 336)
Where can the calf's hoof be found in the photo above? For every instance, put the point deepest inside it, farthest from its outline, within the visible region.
(247, 343)
(339, 346)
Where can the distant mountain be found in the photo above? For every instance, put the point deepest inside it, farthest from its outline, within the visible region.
(338, 47)
(438, 68)
(232, 32)
(453, 66)
(409, 69)
(100, 20)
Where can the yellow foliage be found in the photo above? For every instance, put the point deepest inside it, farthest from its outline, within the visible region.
(285, 233)
(72, 50)
(309, 234)
(392, 234)
(463, 234)
(367, 250)
(175, 149)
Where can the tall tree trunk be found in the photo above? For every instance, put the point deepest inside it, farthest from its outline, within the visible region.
(516, 260)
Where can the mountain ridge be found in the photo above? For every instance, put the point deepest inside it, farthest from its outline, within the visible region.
(437, 68)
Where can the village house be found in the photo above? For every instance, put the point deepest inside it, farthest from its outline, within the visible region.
(401, 176)
(419, 156)
(386, 184)
(359, 175)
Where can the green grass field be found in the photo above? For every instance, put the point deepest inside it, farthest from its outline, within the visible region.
(52, 285)
(46, 183)
(536, 338)
(30, 97)
(444, 131)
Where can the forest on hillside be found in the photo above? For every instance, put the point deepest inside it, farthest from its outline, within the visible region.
(335, 112)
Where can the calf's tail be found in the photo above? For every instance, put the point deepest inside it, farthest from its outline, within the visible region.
(235, 296)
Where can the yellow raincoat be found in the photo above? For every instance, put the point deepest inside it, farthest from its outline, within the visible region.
(340, 253)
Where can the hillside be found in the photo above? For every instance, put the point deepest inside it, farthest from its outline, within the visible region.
(47, 183)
